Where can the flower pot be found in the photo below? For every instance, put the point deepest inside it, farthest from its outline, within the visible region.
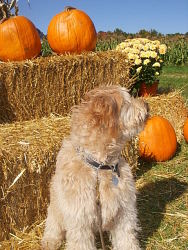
(148, 90)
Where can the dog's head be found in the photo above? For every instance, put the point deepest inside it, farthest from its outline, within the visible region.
(110, 111)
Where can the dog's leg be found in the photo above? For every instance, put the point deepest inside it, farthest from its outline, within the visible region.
(81, 238)
(53, 233)
(124, 232)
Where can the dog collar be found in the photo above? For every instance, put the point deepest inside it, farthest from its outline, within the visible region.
(98, 166)
(102, 166)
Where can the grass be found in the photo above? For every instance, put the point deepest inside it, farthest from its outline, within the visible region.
(175, 77)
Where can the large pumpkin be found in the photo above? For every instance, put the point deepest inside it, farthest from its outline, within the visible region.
(185, 130)
(19, 39)
(71, 31)
(158, 140)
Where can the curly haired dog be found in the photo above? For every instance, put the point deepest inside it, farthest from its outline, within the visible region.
(100, 126)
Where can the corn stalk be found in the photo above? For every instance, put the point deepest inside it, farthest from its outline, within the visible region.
(6, 8)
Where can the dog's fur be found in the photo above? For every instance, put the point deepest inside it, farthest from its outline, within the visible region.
(101, 124)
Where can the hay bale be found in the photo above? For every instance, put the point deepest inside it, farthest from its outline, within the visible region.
(27, 160)
(28, 238)
(171, 106)
(37, 88)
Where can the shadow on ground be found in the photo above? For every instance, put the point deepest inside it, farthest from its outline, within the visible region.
(152, 200)
(145, 166)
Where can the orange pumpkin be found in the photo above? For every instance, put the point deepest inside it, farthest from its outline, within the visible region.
(185, 130)
(71, 31)
(158, 140)
(19, 39)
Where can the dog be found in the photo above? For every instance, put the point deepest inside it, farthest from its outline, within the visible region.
(89, 165)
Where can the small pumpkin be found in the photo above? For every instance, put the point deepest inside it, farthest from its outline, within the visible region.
(72, 31)
(19, 39)
(158, 140)
(185, 130)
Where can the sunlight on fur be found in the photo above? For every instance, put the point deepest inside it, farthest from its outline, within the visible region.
(100, 126)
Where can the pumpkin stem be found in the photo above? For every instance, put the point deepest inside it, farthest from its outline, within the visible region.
(68, 8)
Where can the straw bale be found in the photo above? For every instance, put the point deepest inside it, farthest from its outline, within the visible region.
(36, 88)
(26, 239)
(27, 160)
(171, 106)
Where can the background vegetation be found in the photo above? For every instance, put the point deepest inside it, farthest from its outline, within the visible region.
(177, 43)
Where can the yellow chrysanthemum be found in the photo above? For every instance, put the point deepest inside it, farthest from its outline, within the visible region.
(136, 51)
(146, 47)
(136, 46)
(128, 40)
(118, 47)
(153, 54)
(147, 54)
(143, 54)
(156, 42)
(140, 46)
(146, 61)
(138, 61)
(136, 40)
(157, 64)
(126, 50)
(162, 49)
(156, 73)
(138, 69)
(131, 56)
(123, 45)
(143, 40)
(152, 47)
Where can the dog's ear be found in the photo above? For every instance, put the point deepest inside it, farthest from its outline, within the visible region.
(134, 116)
(104, 112)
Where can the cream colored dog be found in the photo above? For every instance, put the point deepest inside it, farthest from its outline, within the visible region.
(90, 157)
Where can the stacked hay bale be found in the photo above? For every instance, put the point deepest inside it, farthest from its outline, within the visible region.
(37, 88)
(27, 160)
